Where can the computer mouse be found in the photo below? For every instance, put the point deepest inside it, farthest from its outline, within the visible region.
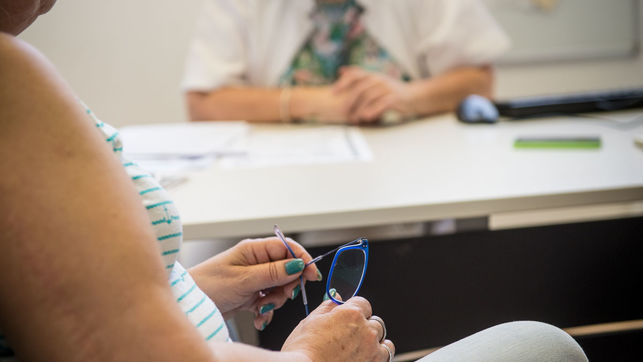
(477, 109)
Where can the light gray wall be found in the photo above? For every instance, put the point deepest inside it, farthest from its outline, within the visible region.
(125, 59)
(579, 75)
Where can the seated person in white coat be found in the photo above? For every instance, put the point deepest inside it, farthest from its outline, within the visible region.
(338, 61)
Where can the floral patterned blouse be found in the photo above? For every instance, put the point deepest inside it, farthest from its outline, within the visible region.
(338, 39)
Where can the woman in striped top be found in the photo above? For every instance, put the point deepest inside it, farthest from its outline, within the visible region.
(88, 246)
(89, 243)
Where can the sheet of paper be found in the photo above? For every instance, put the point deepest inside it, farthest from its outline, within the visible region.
(299, 145)
(182, 140)
(171, 150)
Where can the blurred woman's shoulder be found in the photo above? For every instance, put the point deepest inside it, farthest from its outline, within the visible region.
(27, 78)
(23, 67)
(15, 52)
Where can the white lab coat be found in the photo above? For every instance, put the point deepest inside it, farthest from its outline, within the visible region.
(253, 42)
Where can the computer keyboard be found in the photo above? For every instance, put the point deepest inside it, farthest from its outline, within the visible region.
(602, 101)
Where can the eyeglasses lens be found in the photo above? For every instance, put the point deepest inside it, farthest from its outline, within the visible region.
(347, 274)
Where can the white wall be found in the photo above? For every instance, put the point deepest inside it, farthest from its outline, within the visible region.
(568, 77)
(125, 59)
(572, 76)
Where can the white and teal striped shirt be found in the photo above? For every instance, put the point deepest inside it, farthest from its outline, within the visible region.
(164, 217)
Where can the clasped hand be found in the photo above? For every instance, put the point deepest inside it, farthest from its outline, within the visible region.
(361, 97)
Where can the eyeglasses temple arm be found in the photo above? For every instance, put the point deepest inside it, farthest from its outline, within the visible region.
(316, 259)
(322, 256)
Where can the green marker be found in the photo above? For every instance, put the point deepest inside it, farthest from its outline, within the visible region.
(557, 143)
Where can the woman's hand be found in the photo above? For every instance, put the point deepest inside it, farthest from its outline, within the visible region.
(319, 104)
(369, 95)
(340, 333)
(257, 275)
(356, 97)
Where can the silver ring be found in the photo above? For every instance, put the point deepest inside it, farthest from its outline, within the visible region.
(390, 353)
(380, 321)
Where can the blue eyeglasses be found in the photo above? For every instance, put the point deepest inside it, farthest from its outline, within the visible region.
(346, 272)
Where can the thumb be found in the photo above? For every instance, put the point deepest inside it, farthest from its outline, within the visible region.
(275, 273)
(325, 307)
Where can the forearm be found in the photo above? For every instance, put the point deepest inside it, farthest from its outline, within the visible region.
(443, 93)
(235, 103)
(254, 104)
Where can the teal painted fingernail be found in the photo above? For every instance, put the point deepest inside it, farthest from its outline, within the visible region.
(266, 308)
(263, 326)
(295, 266)
(319, 276)
(295, 293)
(332, 292)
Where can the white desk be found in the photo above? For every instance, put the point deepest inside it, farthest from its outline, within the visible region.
(425, 170)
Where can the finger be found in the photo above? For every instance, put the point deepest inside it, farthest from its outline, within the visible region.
(325, 307)
(276, 297)
(293, 289)
(262, 320)
(332, 293)
(371, 98)
(357, 97)
(390, 346)
(273, 249)
(273, 274)
(349, 76)
(375, 91)
(311, 272)
(375, 110)
(377, 327)
(361, 304)
(373, 94)
(349, 68)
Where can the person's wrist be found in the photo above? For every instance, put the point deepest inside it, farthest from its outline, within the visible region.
(284, 105)
(198, 277)
(194, 273)
(302, 103)
(415, 99)
(202, 278)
